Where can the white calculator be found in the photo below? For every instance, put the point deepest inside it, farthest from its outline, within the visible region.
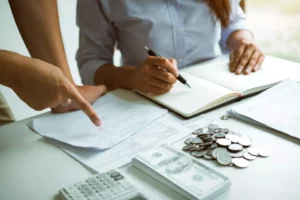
(111, 185)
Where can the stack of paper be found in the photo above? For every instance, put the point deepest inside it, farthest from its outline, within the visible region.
(277, 108)
(122, 113)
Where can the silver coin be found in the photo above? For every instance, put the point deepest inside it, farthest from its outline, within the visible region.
(238, 154)
(248, 156)
(213, 146)
(208, 157)
(223, 142)
(198, 154)
(188, 147)
(225, 117)
(235, 147)
(218, 130)
(197, 141)
(216, 151)
(210, 139)
(224, 158)
(240, 162)
(188, 140)
(205, 135)
(253, 151)
(213, 126)
(206, 144)
(232, 138)
(245, 141)
(220, 135)
(225, 130)
(209, 152)
(263, 153)
(235, 133)
(198, 131)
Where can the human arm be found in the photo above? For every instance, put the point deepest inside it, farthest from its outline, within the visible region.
(245, 56)
(38, 24)
(39, 84)
(98, 37)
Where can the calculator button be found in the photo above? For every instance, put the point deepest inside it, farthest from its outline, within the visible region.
(119, 177)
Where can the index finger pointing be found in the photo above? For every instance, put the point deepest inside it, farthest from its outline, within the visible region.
(76, 97)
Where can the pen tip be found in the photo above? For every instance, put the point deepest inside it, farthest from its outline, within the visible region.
(146, 48)
(188, 85)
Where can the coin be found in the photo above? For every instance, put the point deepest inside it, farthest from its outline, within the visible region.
(197, 141)
(225, 130)
(210, 139)
(223, 142)
(218, 130)
(205, 135)
(198, 131)
(253, 151)
(225, 117)
(205, 144)
(235, 147)
(213, 126)
(263, 153)
(245, 141)
(232, 138)
(213, 146)
(216, 151)
(208, 157)
(211, 131)
(188, 147)
(224, 158)
(198, 154)
(188, 140)
(220, 135)
(235, 133)
(240, 162)
(248, 156)
(238, 154)
(209, 152)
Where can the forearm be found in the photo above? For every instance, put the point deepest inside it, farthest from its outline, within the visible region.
(236, 37)
(114, 77)
(10, 67)
(38, 24)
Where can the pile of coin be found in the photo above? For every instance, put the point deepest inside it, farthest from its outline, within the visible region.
(221, 144)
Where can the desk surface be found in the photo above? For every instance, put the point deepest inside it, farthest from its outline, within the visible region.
(32, 168)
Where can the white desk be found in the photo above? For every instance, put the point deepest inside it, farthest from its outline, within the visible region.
(32, 168)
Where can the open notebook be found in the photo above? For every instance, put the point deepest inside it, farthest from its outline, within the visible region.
(214, 85)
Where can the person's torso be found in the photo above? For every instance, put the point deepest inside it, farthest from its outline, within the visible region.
(186, 30)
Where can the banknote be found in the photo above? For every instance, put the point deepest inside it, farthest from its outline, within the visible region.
(181, 172)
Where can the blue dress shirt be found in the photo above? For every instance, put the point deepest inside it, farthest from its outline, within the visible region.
(186, 30)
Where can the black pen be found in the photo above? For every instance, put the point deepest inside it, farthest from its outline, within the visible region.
(179, 78)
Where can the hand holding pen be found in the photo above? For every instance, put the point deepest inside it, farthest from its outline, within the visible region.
(179, 77)
(149, 79)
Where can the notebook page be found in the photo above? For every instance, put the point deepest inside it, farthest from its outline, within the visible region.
(217, 71)
(187, 101)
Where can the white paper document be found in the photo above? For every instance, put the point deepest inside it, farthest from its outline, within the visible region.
(277, 108)
(120, 119)
(162, 131)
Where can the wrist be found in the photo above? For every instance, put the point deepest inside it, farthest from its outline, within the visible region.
(115, 77)
(10, 68)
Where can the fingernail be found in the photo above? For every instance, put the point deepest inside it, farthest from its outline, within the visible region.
(97, 122)
(256, 67)
(248, 70)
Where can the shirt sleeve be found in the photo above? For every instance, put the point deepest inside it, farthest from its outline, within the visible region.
(97, 39)
(237, 22)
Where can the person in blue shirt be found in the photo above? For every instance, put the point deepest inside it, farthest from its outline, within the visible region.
(185, 31)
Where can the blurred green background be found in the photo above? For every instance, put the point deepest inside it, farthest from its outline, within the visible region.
(276, 25)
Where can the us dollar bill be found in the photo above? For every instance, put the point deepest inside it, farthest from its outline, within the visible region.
(181, 172)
